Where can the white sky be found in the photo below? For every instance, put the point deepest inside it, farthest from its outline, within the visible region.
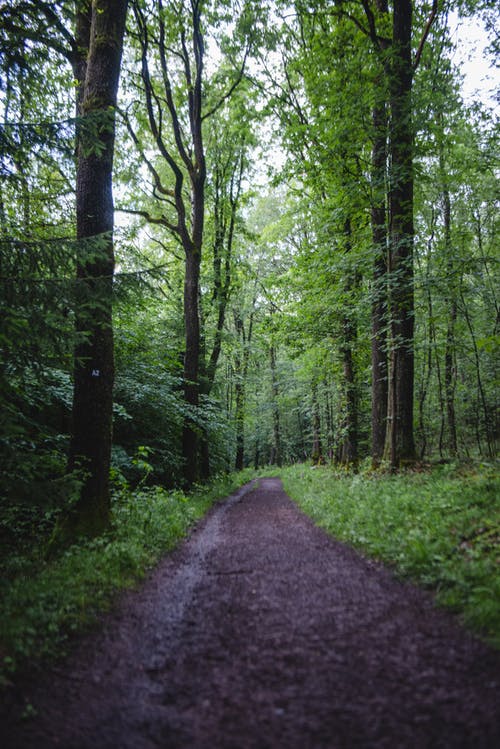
(481, 78)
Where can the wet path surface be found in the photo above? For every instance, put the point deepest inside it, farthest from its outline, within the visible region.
(263, 632)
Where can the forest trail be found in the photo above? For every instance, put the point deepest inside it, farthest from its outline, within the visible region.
(262, 632)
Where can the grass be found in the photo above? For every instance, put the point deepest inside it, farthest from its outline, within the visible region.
(42, 604)
(439, 528)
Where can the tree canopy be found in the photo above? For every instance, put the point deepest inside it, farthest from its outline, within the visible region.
(238, 233)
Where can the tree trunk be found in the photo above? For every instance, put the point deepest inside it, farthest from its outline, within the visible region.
(349, 451)
(239, 395)
(379, 295)
(222, 267)
(380, 281)
(276, 457)
(240, 423)
(190, 431)
(400, 447)
(90, 446)
(317, 450)
(241, 371)
(449, 355)
(450, 380)
(349, 454)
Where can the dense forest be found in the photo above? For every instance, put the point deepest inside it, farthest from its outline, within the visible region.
(238, 233)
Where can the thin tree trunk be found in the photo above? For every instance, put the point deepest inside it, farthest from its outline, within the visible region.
(329, 422)
(239, 396)
(450, 380)
(349, 454)
(276, 457)
(427, 363)
(317, 450)
(449, 355)
(222, 267)
(480, 387)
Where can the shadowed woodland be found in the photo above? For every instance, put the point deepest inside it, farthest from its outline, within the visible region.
(236, 234)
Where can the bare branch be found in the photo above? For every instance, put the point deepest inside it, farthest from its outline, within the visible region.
(428, 25)
(158, 220)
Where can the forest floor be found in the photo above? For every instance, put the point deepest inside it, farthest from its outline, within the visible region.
(261, 631)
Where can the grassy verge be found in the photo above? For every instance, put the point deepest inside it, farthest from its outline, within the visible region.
(46, 602)
(440, 528)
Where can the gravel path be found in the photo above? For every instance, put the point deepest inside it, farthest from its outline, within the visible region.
(262, 632)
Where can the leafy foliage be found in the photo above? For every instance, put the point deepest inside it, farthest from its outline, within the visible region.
(45, 603)
(285, 293)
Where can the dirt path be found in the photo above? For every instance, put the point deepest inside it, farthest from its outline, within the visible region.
(262, 632)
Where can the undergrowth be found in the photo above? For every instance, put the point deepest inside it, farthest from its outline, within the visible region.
(440, 528)
(42, 604)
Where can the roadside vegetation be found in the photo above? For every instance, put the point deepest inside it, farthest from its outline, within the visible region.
(440, 528)
(43, 603)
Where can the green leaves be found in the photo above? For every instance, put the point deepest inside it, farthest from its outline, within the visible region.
(42, 608)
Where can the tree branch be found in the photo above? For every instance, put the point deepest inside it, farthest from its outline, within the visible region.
(158, 220)
(156, 177)
(231, 90)
(428, 25)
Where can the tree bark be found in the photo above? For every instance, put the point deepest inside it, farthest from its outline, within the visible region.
(400, 446)
(190, 432)
(449, 355)
(90, 446)
(317, 449)
(241, 371)
(349, 450)
(239, 395)
(379, 294)
(349, 453)
(276, 457)
(227, 193)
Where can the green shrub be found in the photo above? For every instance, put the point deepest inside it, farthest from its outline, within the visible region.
(45, 603)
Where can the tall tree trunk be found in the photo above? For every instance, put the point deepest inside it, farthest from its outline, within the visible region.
(349, 452)
(240, 422)
(241, 371)
(190, 431)
(329, 421)
(276, 457)
(182, 154)
(379, 239)
(379, 296)
(317, 450)
(449, 355)
(426, 374)
(222, 268)
(400, 446)
(239, 395)
(450, 380)
(90, 446)
(480, 387)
